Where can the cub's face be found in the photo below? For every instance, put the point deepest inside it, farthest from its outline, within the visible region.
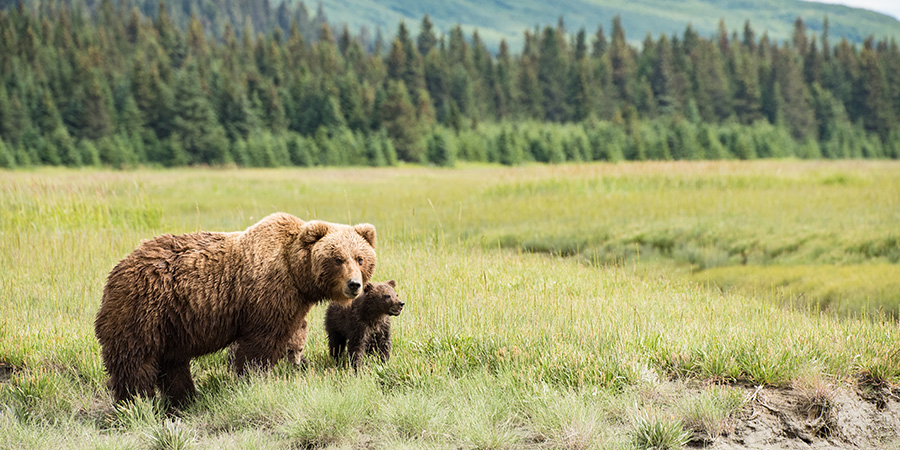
(343, 257)
(384, 298)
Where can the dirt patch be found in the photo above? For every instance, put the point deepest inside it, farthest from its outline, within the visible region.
(848, 417)
(6, 371)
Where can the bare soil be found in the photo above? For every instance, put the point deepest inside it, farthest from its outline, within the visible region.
(865, 416)
(6, 371)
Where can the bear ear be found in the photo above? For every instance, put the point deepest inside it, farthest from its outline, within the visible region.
(392, 283)
(367, 231)
(313, 231)
(368, 287)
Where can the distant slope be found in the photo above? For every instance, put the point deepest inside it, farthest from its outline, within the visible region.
(496, 19)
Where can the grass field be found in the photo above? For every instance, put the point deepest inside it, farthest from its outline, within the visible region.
(575, 306)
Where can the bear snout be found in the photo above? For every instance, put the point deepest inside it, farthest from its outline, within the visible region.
(397, 308)
(353, 287)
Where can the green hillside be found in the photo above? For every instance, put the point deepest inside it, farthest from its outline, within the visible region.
(496, 19)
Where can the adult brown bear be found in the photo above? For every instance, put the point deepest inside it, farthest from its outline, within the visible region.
(178, 297)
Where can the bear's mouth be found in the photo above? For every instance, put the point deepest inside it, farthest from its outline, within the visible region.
(350, 294)
(396, 310)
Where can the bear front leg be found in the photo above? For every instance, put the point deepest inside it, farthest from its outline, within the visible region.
(382, 342)
(176, 384)
(337, 343)
(356, 346)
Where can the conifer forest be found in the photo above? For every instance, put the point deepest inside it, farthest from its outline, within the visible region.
(128, 84)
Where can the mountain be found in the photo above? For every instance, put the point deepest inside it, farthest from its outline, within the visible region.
(508, 19)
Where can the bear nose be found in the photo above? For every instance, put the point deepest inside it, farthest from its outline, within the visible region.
(402, 304)
(353, 285)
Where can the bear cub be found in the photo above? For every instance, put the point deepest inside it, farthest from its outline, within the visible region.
(364, 326)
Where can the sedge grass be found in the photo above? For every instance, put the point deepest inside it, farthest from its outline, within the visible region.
(509, 339)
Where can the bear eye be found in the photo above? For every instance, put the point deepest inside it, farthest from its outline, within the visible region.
(339, 261)
(359, 261)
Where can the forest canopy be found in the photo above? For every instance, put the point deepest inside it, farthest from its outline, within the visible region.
(117, 85)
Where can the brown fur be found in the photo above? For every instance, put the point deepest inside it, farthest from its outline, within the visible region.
(178, 297)
(296, 354)
(364, 327)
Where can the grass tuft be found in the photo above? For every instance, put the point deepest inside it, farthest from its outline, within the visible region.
(656, 433)
(171, 434)
(710, 413)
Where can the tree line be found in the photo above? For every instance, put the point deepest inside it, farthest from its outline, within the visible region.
(118, 87)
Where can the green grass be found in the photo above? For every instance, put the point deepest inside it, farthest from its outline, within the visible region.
(534, 316)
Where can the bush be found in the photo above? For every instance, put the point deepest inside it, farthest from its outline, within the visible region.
(90, 156)
(65, 145)
(440, 151)
(299, 150)
(509, 150)
(7, 159)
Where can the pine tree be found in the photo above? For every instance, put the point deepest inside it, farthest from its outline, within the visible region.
(552, 74)
(747, 95)
(714, 99)
(797, 110)
(506, 96)
(374, 151)
(90, 156)
(7, 158)
(878, 115)
(426, 40)
(69, 154)
(508, 148)
(440, 151)
(398, 116)
(201, 135)
(622, 63)
(663, 79)
(580, 93)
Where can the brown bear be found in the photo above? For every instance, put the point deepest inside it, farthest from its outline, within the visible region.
(364, 326)
(178, 297)
(297, 345)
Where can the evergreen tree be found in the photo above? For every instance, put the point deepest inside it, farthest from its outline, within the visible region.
(69, 154)
(710, 84)
(201, 135)
(440, 151)
(90, 156)
(878, 114)
(426, 40)
(508, 149)
(622, 63)
(7, 158)
(505, 97)
(398, 116)
(374, 151)
(299, 150)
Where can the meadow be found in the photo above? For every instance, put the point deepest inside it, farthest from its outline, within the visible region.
(621, 305)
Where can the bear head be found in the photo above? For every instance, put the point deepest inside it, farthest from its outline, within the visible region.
(382, 298)
(342, 257)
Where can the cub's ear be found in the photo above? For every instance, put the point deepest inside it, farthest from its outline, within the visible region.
(313, 231)
(367, 231)
(392, 283)
(368, 287)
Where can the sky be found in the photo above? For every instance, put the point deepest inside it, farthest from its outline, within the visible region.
(889, 7)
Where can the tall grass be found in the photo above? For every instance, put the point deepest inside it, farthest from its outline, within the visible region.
(498, 346)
